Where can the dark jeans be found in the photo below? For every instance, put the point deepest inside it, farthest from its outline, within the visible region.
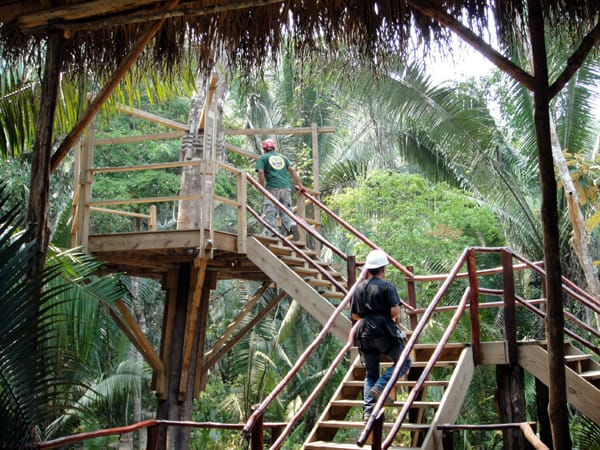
(371, 350)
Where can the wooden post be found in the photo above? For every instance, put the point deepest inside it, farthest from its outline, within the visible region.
(152, 437)
(351, 270)
(474, 307)
(152, 219)
(541, 400)
(412, 298)
(86, 178)
(510, 318)
(377, 433)
(257, 436)
(448, 439)
(242, 218)
(316, 180)
(510, 377)
(301, 212)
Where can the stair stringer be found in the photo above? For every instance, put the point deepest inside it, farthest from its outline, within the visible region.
(306, 296)
(583, 395)
(453, 397)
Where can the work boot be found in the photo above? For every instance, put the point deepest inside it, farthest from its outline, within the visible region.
(294, 231)
(376, 392)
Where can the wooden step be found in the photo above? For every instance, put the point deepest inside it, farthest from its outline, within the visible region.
(590, 375)
(293, 260)
(318, 282)
(280, 250)
(388, 364)
(322, 445)
(402, 383)
(305, 271)
(359, 403)
(577, 358)
(338, 424)
(332, 294)
(266, 240)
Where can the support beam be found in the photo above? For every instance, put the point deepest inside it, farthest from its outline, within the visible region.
(191, 325)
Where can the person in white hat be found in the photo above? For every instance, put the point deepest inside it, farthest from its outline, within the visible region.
(376, 305)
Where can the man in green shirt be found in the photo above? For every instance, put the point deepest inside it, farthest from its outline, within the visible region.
(274, 172)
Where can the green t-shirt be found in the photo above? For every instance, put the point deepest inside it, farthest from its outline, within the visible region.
(275, 166)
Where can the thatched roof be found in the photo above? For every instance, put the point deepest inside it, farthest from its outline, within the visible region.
(100, 32)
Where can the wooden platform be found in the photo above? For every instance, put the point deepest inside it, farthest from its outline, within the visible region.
(152, 254)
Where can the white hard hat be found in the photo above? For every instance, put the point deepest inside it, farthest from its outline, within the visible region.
(375, 259)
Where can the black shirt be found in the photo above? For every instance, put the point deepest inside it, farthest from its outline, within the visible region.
(372, 301)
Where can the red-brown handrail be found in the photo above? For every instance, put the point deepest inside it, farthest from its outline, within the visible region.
(80, 437)
(298, 250)
(303, 357)
(299, 220)
(317, 390)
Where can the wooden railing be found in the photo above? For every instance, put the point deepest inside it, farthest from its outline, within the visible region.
(470, 301)
(526, 428)
(152, 427)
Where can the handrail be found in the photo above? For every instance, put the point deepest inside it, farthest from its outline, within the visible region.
(568, 286)
(303, 357)
(298, 250)
(80, 437)
(427, 370)
(317, 390)
(299, 220)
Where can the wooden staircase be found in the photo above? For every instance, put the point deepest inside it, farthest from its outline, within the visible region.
(302, 281)
(341, 422)
(444, 389)
(582, 373)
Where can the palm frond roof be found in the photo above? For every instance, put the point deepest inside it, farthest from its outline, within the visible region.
(99, 32)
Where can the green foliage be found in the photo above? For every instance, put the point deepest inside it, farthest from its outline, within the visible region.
(421, 224)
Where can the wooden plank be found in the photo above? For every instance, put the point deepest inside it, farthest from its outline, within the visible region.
(171, 239)
(153, 117)
(140, 341)
(78, 11)
(358, 403)
(141, 138)
(191, 324)
(584, 396)
(297, 288)
(154, 166)
(276, 131)
(345, 424)
(201, 379)
(160, 380)
(494, 353)
(452, 399)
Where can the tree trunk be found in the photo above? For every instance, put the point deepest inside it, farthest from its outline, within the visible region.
(511, 401)
(39, 185)
(172, 408)
(580, 235)
(557, 406)
(189, 214)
